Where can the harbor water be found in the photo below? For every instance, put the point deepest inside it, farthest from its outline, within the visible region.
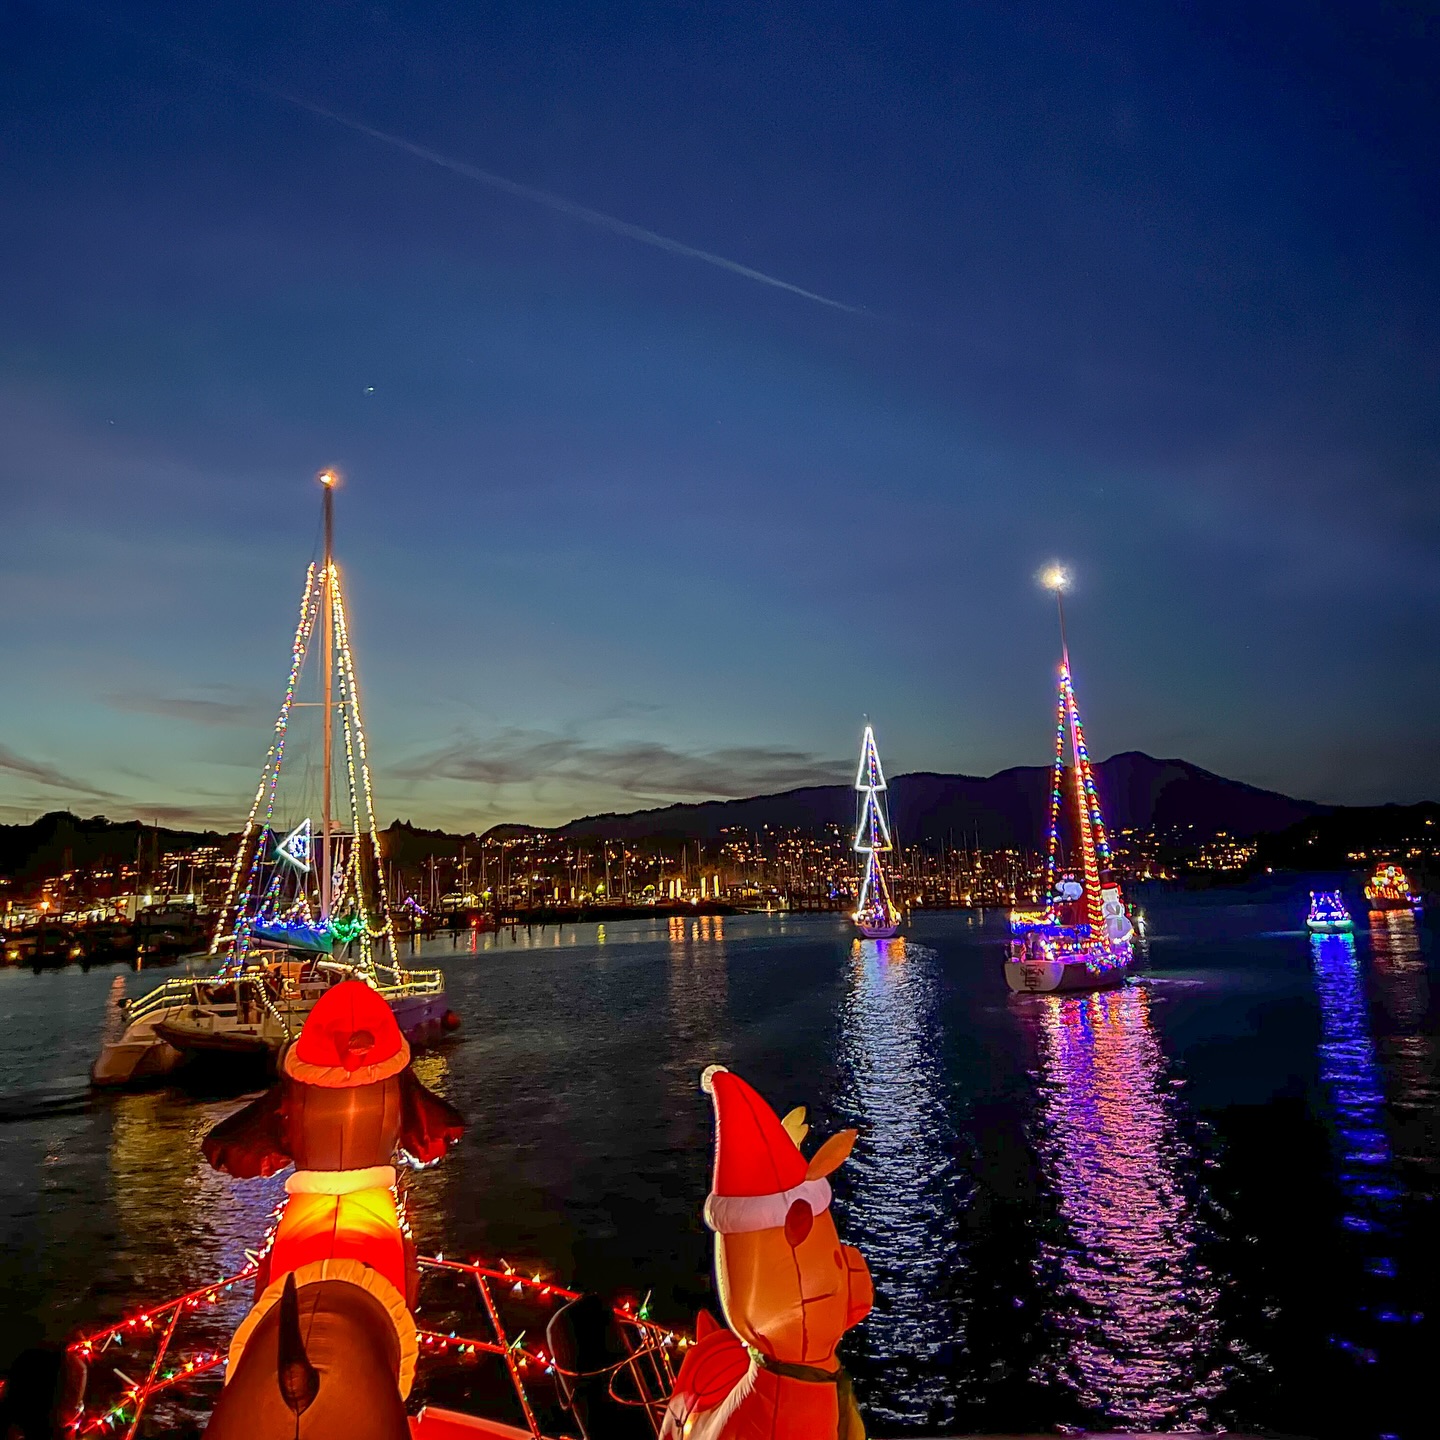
(1203, 1200)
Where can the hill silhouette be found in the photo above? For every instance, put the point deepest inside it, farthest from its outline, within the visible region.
(1005, 810)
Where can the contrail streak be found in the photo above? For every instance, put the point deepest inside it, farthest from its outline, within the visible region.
(559, 203)
(598, 218)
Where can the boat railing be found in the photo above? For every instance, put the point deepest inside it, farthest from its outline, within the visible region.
(175, 991)
(165, 1359)
(186, 990)
(410, 982)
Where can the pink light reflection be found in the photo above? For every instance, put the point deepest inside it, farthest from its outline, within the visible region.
(1135, 1305)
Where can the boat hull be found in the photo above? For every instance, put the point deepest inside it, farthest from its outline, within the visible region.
(1330, 927)
(134, 1061)
(1031, 976)
(1389, 904)
(879, 932)
(166, 1039)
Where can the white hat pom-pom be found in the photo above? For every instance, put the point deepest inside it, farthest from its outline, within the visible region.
(707, 1077)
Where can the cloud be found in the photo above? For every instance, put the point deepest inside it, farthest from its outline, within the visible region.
(239, 709)
(645, 769)
(44, 774)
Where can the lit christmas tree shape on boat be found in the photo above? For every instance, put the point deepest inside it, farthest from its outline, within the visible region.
(876, 916)
(1328, 915)
(1083, 939)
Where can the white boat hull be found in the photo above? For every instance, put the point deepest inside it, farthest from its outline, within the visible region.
(163, 1039)
(879, 932)
(1043, 977)
(132, 1060)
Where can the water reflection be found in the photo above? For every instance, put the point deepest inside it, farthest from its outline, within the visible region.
(433, 1193)
(1135, 1303)
(1349, 1071)
(697, 990)
(905, 1190)
(181, 1223)
(1408, 1048)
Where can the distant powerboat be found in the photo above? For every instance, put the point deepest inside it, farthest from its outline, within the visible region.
(1390, 889)
(1328, 915)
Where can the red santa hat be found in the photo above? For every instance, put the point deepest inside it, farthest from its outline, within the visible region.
(350, 1038)
(759, 1170)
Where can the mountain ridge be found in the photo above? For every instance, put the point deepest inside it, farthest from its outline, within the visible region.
(1008, 809)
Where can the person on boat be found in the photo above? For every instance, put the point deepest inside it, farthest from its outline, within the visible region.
(330, 1340)
(1070, 902)
(788, 1287)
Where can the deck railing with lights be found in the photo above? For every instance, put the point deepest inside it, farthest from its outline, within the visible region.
(151, 1341)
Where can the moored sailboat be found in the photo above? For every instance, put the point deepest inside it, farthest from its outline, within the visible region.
(303, 910)
(1083, 939)
(877, 917)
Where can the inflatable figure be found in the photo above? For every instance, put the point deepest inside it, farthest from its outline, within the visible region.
(329, 1349)
(788, 1287)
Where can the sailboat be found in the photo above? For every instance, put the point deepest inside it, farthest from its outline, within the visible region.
(306, 904)
(876, 916)
(1083, 939)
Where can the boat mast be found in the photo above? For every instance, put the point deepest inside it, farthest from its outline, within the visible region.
(1056, 579)
(327, 610)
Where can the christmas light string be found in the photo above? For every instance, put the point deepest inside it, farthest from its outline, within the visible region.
(349, 721)
(88, 1345)
(1057, 783)
(347, 660)
(1087, 805)
(875, 907)
(656, 1348)
(273, 757)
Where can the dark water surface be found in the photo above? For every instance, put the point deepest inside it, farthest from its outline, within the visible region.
(1205, 1199)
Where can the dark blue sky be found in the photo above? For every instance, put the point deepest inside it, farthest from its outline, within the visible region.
(1147, 287)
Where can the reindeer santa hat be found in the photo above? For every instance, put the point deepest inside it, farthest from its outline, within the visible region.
(759, 1170)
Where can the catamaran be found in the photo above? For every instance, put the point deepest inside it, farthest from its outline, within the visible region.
(1083, 939)
(306, 904)
(877, 917)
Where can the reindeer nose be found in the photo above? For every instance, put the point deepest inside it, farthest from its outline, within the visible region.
(798, 1222)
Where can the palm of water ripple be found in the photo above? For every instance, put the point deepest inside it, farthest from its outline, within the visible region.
(905, 1193)
(1135, 1308)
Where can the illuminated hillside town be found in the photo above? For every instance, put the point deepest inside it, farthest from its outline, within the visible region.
(162, 904)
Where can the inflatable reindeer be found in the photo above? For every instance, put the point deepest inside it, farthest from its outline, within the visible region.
(788, 1287)
(329, 1349)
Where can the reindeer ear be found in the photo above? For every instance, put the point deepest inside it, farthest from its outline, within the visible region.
(794, 1125)
(832, 1154)
(705, 1324)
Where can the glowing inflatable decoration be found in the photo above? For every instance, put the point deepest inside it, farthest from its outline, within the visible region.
(331, 1339)
(789, 1289)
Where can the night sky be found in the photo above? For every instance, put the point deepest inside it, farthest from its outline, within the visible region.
(1146, 287)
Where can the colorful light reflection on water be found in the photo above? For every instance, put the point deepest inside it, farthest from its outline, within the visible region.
(905, 1195)
(1135, 1304)
(1355, 1087)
